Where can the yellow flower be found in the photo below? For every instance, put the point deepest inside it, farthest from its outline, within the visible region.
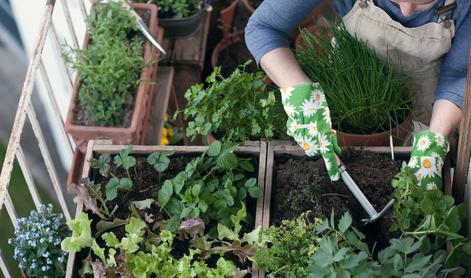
(170, 132)
(164, 141)
(164, 133)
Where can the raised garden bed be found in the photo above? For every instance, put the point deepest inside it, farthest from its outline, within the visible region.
(78, 122)
(254, 152)
(296, 183)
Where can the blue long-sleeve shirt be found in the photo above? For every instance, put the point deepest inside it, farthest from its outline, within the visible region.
(274, 19)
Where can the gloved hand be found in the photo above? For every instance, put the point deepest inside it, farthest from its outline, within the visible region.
(427, 158)
(310, 125)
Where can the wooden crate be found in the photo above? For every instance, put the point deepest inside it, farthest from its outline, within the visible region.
(276, 148)
(258, 149)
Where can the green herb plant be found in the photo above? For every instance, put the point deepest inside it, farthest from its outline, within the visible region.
(289, 249)
(365, 94)
(237, 108)
(430, 216)
(343, 253)
(212, 187)
(111, 65)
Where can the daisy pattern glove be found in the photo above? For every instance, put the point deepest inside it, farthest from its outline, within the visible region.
(427, 158)
(310, 125)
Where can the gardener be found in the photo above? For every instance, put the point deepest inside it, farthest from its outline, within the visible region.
(430, 38)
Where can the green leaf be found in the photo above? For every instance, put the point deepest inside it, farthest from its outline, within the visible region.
(165, 193)
(246, 165)
(159, 161)
(185, 212)
(196, 189)
(111, 240)
(345, 222)
(214, 149)
(135, 226)
(125, 183)
(173, 223)
(112, 189)
(418, 264)
(226, 233)
(81, 234)
(237, 219)
(397, 262)
(144, 204)
(255, 192)
(250, 183)
(340, 255)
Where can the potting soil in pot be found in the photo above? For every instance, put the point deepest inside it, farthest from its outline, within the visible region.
(233, 56)
(302, 184)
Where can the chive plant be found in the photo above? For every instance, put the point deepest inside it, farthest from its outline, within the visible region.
(365, 93)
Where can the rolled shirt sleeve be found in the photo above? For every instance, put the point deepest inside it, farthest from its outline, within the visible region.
(452, 81)
(271, 22)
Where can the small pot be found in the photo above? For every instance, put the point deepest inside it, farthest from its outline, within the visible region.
(181, 27)
(399, 134)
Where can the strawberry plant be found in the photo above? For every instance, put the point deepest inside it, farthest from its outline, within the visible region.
(213, 187)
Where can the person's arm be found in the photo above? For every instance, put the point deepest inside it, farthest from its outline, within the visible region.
(451, 87)
(266, 38)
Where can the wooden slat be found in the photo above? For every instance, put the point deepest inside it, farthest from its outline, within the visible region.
(153, 133)
(70, 24)
(55, 107)
(57, 46)
(11, 210)
(464, 143)
(268, 184)
(24, 102)
(51, 169)
(3, 266)
(83, 10)
(27, 174)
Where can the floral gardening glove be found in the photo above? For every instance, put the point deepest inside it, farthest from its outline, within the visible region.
(427, 158)
(310, 125)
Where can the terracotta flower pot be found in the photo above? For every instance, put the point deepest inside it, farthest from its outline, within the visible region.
(399, 134)
(227, 17)
(119, 135)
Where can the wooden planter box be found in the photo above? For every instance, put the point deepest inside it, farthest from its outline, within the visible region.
(94, 148)
(121, 135)
(278, 148)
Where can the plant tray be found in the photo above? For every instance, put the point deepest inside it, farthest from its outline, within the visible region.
(283, 151)
(256, 149)
(121, 135)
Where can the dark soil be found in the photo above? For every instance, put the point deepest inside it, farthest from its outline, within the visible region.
(233, 56)
(82, 115)
(302, 184)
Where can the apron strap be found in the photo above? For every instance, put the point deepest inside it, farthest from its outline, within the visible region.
(445, 13)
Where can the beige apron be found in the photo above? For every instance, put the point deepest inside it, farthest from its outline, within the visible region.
(418, 50)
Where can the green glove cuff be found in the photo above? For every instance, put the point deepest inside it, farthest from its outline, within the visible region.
(427, 158)
(309, 123)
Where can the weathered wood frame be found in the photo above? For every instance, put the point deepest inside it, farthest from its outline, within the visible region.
(99, 147)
